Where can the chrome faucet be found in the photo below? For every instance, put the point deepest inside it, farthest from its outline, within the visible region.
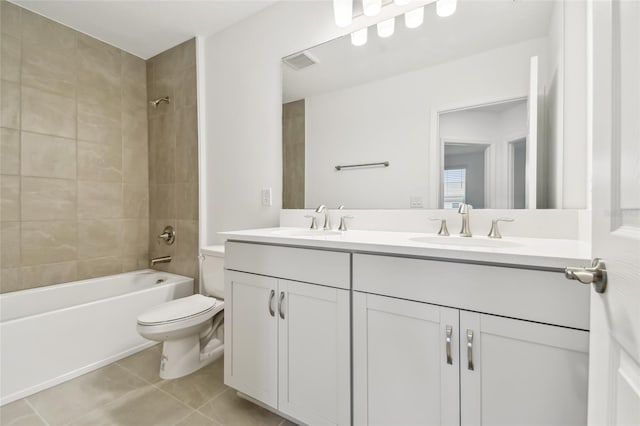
(464, 209)
(162, 259)
(327, 217)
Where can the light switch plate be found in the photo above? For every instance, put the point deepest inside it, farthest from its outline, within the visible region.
(266, 197)
(416, 203)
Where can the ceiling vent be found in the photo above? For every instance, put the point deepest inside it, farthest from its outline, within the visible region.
(301, 60)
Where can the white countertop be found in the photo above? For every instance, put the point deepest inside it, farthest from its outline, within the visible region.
(543, 253)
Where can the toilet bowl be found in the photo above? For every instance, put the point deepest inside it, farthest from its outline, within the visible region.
(192, 328)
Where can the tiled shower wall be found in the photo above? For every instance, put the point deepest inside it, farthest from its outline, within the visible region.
(173, 157)
(74, 153)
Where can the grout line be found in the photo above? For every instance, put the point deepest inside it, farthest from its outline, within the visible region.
(26, 400)
(211, 400)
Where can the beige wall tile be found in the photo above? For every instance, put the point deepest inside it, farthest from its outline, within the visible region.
(48, 199)
(48, 156)
(134, 129)
(134, 97)
(48, 242)
(51, 70)
(135, 201)
(163, 202)
(136, 165)
(99, 267)
(100, 162)
(186, 88)
(187, 238)
(98, 124)
(9, 281)
(99, 238)
(186, 196)
(134, 70)
(135, 236)
(99, 200)
(162, 148)
(47, 113)
(11, 53)
(9, 198)
(48, 274)
(9, 151)
(37, 29)
(99, 75)
(11, 19)
(9, 244)
(186, 161)
(10, 104)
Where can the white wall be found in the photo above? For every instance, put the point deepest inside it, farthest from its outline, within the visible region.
(389, 120)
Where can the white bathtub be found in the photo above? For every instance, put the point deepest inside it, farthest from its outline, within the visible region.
(52, 334)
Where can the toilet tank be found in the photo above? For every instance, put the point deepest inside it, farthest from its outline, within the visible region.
(213, 271)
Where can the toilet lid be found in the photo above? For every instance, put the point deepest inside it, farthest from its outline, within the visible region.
(178, 309)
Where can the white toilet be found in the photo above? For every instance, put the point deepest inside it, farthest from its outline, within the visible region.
(192, 327)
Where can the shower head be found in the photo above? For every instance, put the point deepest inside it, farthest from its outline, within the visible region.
(155, 102)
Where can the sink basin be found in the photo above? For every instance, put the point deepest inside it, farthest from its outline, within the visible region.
(466, 242)
(304, 233)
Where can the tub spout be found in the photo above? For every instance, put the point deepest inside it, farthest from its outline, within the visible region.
(162, 259)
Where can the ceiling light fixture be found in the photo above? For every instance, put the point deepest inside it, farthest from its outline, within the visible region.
(371, 7)
(343, 12)
(446, 8)
(359, 38)
(414, 18)
(386, 28)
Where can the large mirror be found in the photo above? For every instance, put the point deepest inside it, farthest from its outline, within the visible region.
(472, 108)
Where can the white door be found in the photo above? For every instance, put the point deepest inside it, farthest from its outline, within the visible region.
(515, 372)
(251, 336)
(531, 186)
(315, 378)
(614, 367)
(405, 368)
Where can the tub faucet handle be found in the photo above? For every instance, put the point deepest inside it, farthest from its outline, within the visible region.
(168, 235)
(443, 231)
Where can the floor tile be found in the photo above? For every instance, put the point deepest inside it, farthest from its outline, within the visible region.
(231, 410)
(196, 388)
(146, 406)
(73, 399)
(145, 364)
(197, 419)
(19, 413)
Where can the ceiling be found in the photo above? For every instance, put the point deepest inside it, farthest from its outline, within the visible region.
(477, 26)
(146, 27)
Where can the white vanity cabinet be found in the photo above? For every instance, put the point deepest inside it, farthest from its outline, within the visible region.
(287, 330)
(501, 371)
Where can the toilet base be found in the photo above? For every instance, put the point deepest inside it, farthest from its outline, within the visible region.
(182, 356)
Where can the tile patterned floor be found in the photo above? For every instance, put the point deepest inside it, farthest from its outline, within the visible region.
(130, 393)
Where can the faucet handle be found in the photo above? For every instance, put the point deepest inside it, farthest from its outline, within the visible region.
(343, 223)
(314, 222)
(495, 232)
(443, 231)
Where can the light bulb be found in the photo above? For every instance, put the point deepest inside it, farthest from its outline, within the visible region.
(371, 7)
(414, 18)
(385, 28)
(359, 38)
(401, 2)
(446, 8)
(343, 12)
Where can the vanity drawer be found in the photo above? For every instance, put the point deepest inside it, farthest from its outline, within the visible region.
(533, 295)
(323, 267)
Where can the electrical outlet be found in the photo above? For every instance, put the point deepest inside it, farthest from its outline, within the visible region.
(266, 197)
(415, 202)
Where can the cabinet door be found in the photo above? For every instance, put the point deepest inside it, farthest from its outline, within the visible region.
(251, 336)
(517, 372)
(405, 364)
(314, 353)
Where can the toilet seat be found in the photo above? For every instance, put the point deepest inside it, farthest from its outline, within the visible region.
(192, 309)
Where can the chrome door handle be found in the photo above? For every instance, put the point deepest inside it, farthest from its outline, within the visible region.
(470, 350)
(596, 275)
(280, 304)
(271, 310)
(448, 344)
